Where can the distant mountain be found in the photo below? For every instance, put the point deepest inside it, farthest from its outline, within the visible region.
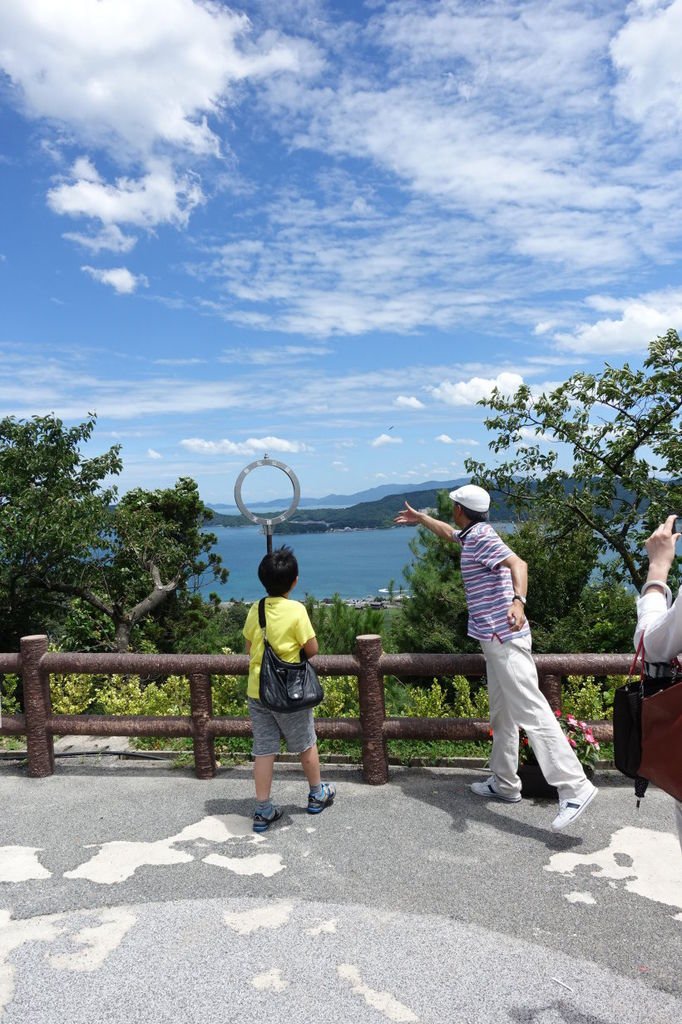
(345, 500)
(382, 491)
(365, 515)
(379, 514)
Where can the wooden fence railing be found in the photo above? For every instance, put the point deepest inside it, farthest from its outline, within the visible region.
(369, 664)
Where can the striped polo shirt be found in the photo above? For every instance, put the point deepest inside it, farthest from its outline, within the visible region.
(487, 584)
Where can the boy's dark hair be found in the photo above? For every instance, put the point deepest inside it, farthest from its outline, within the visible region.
(475, 517)
(278, 570)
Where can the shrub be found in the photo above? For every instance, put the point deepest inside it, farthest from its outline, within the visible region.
(8, 691)
(588, 698)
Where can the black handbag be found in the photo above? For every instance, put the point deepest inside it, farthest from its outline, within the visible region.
(628, 707)
(286, 686)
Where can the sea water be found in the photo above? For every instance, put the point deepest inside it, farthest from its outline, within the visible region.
(352, 563)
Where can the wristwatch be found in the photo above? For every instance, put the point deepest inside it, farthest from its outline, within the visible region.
(517, 597)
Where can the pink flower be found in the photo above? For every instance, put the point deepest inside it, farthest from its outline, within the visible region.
(571, 720)
(557, 713)
(596, 746)
(572, 742)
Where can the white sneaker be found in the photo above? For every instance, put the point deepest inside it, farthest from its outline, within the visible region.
(569, 810)
(489, 789)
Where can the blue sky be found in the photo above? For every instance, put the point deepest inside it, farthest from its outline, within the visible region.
(325, 229)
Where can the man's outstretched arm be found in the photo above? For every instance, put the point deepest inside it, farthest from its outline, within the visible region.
(410, 517)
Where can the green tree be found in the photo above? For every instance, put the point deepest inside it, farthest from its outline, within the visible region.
(570, 608)
(621, 429)
(195, 626)
(337, 624)
(53, 501)
(150, 547)
(601, 621)
(70, 557)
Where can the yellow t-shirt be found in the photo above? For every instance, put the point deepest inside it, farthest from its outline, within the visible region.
(288, 629)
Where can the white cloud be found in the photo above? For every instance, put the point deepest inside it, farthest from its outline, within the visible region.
(383, 439)
(250, 447)
(178, 362)
(84, 168)
(153, 454)
(307, 274)
(445, 439)
(273, 356)
(118, 278)
(135, 74)
(483, 137)
(110, 239)
(638, 321)
(486, 49)
(469, 392)
(497, 123)
(544, 327)
(140, 80)
(408, 402)
(646, 52)
(56, 381)
(158, 197)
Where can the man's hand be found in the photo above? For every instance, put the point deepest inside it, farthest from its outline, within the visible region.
(661, 549)
(516, 616)
(408, 516)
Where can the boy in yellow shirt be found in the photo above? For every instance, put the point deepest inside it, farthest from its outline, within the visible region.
(289, 630)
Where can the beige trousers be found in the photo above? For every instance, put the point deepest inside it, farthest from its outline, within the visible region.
(517, 703)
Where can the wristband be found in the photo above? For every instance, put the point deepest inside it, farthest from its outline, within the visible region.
(517, 597)
(658, 583)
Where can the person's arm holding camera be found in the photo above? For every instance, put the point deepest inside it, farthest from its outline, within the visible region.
(658, 617)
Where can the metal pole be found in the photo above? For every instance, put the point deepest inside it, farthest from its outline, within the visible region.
(267, 524)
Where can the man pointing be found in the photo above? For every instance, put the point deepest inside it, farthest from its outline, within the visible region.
(495, 583)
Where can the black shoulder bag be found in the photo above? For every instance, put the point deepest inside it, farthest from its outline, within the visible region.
(647, 726)
(286, 686)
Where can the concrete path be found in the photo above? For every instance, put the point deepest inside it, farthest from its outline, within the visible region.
(134, 892)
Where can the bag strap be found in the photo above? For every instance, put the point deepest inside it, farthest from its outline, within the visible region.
(639, 654)
(261, 615)
(262, 624)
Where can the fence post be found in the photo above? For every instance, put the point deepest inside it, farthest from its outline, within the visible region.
(372, 709)
(38, 707)
(550, 686)
(201, 703)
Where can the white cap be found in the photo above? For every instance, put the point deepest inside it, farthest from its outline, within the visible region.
(472, 497)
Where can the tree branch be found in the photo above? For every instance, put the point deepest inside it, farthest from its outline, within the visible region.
(160, 593)
(84, 594)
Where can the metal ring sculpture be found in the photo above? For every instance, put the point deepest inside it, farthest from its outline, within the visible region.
(265, 521)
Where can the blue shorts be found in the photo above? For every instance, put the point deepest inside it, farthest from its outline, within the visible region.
(298, 729)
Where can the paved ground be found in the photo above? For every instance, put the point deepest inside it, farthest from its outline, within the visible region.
(133, 892)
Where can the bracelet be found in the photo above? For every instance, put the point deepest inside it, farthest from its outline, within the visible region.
(517, 597)
(658, 583)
